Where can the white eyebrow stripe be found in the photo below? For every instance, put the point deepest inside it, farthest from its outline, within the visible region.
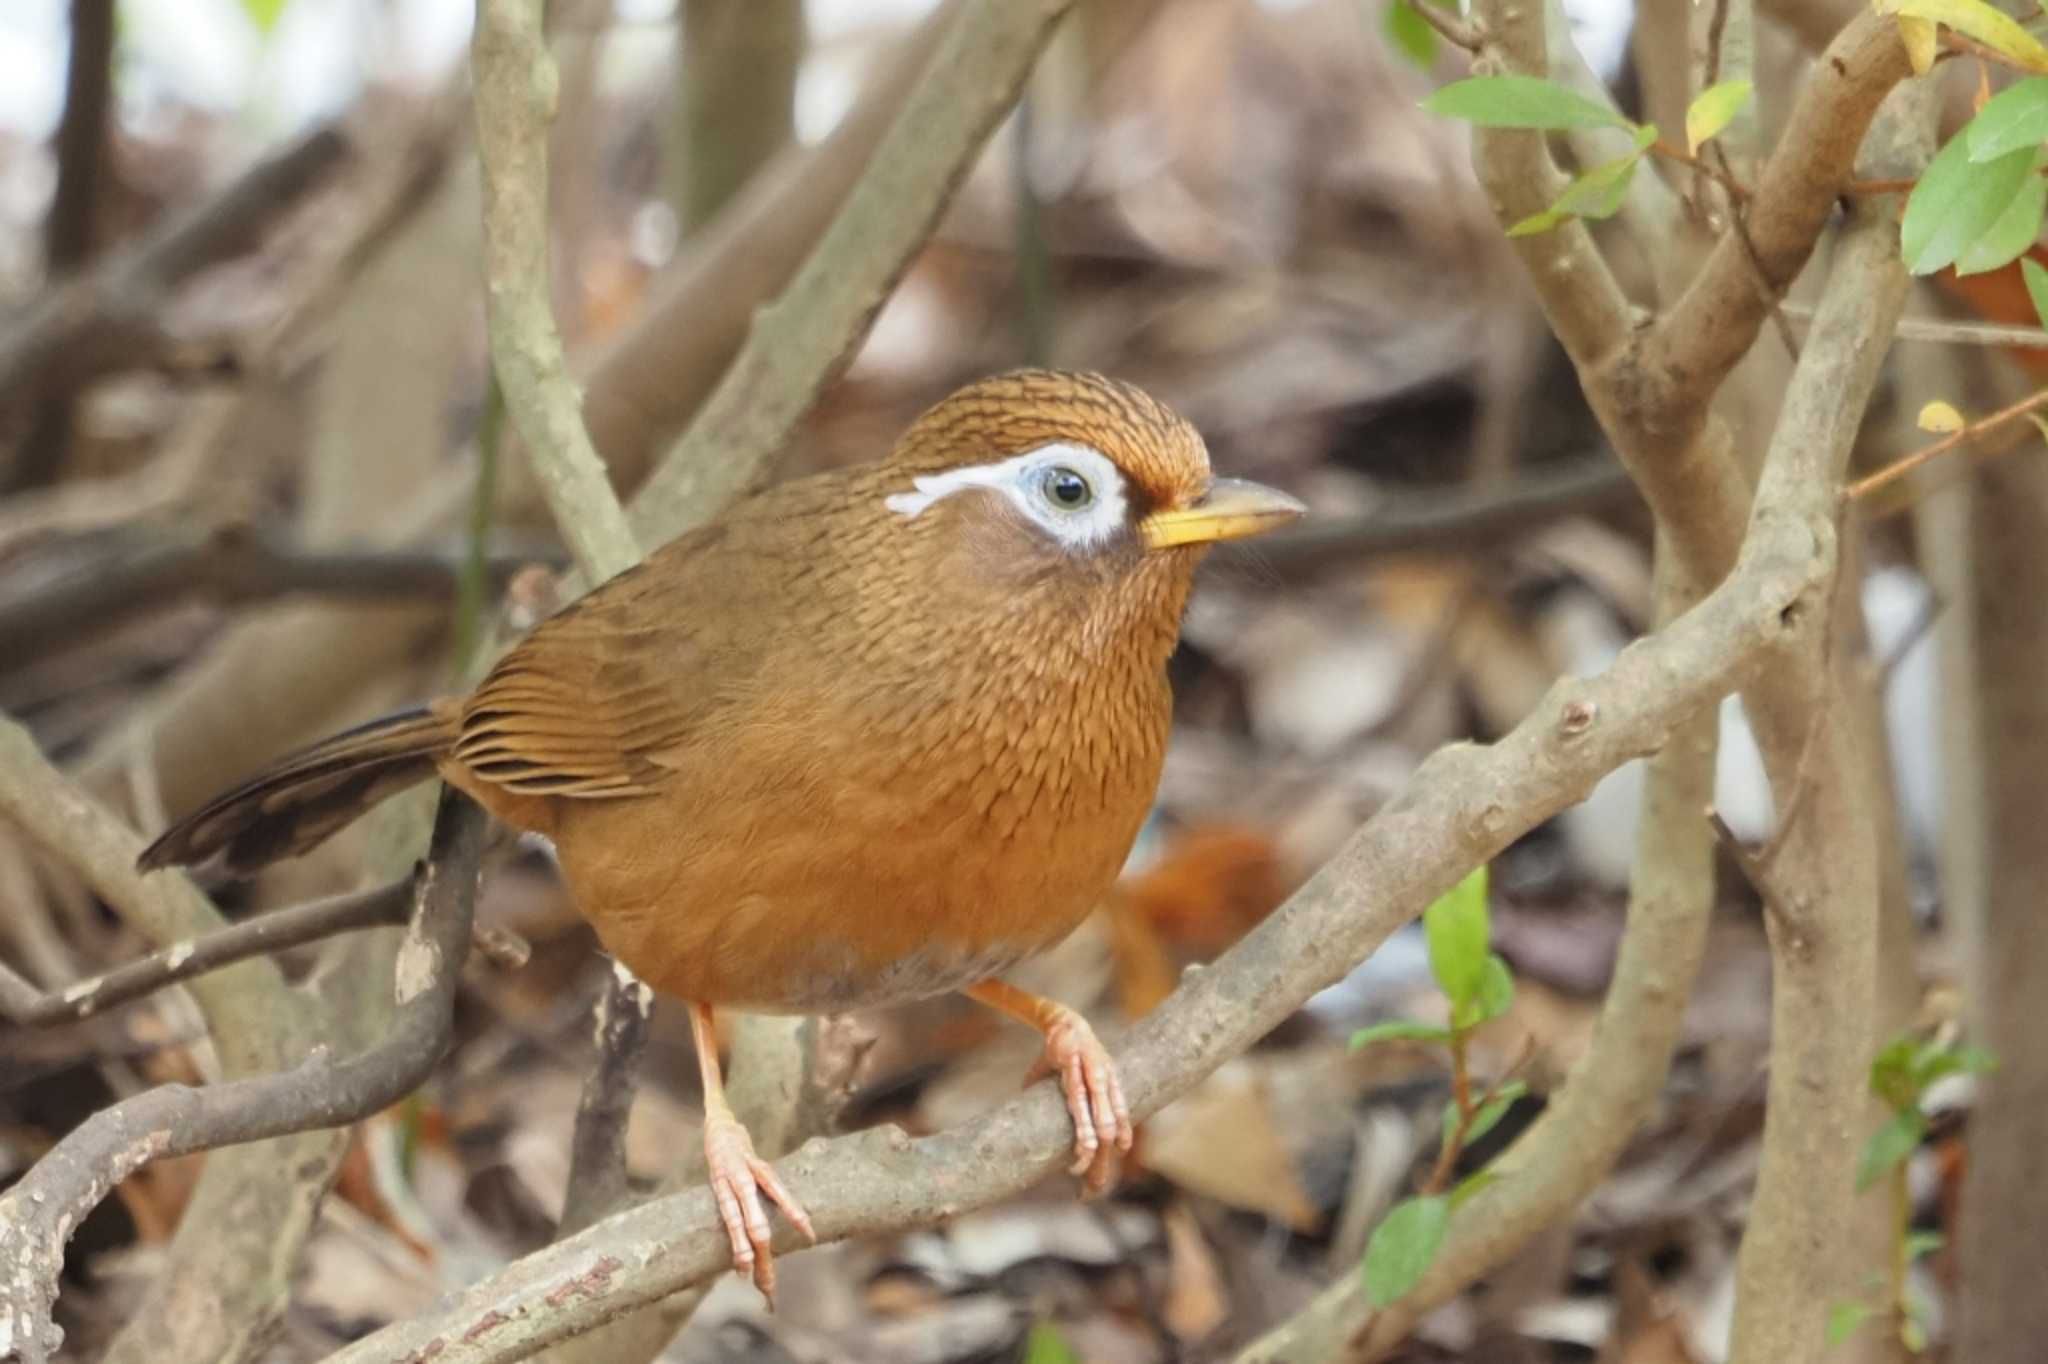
(1015, 478)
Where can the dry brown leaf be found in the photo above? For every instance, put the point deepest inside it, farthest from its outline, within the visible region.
(1222, 1141)
(1196, 1301)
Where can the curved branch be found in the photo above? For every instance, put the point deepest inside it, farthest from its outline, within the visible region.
(1465, 804)
(38, 1214)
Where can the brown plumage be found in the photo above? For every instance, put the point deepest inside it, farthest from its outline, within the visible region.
(869, 736)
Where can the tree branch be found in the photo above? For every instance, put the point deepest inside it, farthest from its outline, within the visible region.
(1460, 516)
(39, 1212)
(265, 935)
(514, 76)
(798, 343)
(105, 320)
(1463, 806)
(135, 569)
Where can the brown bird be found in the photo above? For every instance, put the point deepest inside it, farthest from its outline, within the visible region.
(869, 736)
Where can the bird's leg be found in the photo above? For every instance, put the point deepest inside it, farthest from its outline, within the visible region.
(1095, 1097)
(738, 1176)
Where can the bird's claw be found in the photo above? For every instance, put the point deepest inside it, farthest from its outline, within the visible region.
(1095, 1098)
(738, 1180)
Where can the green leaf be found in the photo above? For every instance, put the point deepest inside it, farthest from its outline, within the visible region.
(1845, 1319)
(264, 13)
(2016, 117)
(1913, 1334)
(2037, 287)
(1403, 1246)
(1713, 110)
(1595, 194)
(1488, 1115)
(1922, 1243)
(1409, 34)
(1956, 202)
(1975, 19)
(1456, 927)
(1935, 1060)
(1399, 1030)
(1977, 1060)
(2014, 230)
(1472, 1184)
(1496, 987)
(1520, 102)
(1891, 1072)
(1889, 1146)
(1045, 1345)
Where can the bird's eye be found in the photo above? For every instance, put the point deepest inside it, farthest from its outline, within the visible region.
(1065, 489)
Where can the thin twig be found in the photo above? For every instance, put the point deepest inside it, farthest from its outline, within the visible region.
(265, 935)
(1944, 332)
(1457, 31)
(1772, 294)
(597, 1155)
(1898, 469)
(127, 573)
(106, 319)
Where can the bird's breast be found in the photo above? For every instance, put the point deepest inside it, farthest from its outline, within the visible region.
(807, 865)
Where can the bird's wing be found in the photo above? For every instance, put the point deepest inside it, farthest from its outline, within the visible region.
(585, 705)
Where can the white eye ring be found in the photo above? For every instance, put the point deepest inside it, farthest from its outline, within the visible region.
(1027, 480)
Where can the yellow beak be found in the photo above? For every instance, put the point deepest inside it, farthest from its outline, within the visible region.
(1232, 509)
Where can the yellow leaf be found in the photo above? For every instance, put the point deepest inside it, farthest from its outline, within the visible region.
(1920, 39)
(1714, 109)
(1939, 416)
(1975, 19)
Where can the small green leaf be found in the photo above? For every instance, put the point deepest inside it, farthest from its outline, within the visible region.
(1975, 19)
(1597, 193)
(2037, 287)
(1913, 1334)
(1889, 1146)
(1956, 202)
(1891, 1072)
(264, 14)
(2012, 232)
(1045, 1345)
(2015, 117)
(1935, 1059)
(1457, 929)
(1845, 1319)
(1496, 987)
(1409, 34)
(1472, 1184)
(1922, 1243)
(1977, 1060)
(1403, 1245)
(1520, 102)
(1399, 1030)
(1488, 1115)
(1713, 110)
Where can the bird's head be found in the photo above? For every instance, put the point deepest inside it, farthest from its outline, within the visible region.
(1042, 478)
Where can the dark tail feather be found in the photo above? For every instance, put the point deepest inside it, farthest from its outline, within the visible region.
(302, 799)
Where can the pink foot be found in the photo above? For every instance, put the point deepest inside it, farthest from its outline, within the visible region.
(1095, 1097)
(738, 1179)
